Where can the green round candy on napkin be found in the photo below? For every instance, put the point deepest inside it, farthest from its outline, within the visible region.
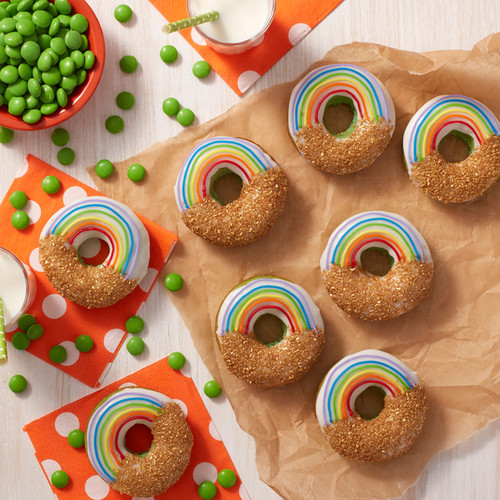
(35, 331)
(20, 219)
(207, 490)
(58, 354)
(201, 69)
(59, 479)
(136, 346)
(20, 341)
(25, 321)
(51, 184)
(134, 324)
(226, 478)
(76, 438)
(18, 199)
(84, 343)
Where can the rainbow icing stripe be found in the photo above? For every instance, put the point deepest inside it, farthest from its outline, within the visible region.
(442, 115)
(377, 229)
(355, 373)
(244, 158)
(110, 221)
(311, 95)
(268, 295)
(108, 425)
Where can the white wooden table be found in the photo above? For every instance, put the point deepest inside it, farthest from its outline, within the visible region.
(471, 469)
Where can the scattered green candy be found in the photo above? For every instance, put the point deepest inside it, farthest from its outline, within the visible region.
(35, 331)
(226, 478)
(18, 199)
(128, 64)
(123, 13)
(51, 184)
(84, 343)
(171, 106)
(201, 69)
(185, 117)
(6, 135)
(174, 282)
(17, 383)
(66, 156)
(125, 100)
(114, 124)
(176, 360)
(20, 219)
(207, 490)
(212, 389)
(135, 346)
(58, 354)
(20, 341)
(76, 438)
(59, 479)
(104, 168)
(136, 172)
(60, 137)
(134, 324)
(168, 54)
(25, 321)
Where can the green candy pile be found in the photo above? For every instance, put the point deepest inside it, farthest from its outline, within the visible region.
(44, 56)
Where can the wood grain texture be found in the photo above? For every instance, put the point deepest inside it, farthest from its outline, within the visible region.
(469, 470)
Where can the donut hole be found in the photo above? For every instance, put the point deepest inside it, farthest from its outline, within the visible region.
(138, 439)
(340, 116)
(269, 330)
(377, 261)
(456, 146)
(93, 252)
(225, 186)
(370, 402)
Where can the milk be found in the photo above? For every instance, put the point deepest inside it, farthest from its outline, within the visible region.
(239, 20)
(13, 286)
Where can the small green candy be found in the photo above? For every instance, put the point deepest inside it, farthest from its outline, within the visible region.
(9, 74)
(62, 6)
(51, 184)
(128, 64)
(73, 40)
(135, 346)
(185, 117)
(20, 341)
(89, 58)
(123, 13)
(201, 69)
(33, 115)
(61, 97)
(18, 199)
(17, 383)
(207, 490)
(134, 324)
(66, 156)
(76, 438)
(136, 172)
(176, 360)
(174, 282)
(25, 27)
(58, 354)
(17, 105)
(35, 331)
(59, 479)
(104, 168)
(41, 19)
(212, 389)
(66, 66)
(226, 478)
(60, 137)
(169, 54)
(25, 321)
(79, 23)
(6, 135)
(125, 100)
(20, 219)
(84, 343)
(171, 106)
(114, 124)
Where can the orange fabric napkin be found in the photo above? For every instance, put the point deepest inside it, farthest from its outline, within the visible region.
(293, 20)
(64, 321)
(209, 455)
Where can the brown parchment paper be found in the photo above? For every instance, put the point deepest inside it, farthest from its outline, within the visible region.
(451, 339)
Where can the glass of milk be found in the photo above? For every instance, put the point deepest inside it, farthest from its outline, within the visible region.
(17, 287)
(241, 24)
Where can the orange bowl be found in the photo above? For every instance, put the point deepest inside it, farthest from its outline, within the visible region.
(82, 93)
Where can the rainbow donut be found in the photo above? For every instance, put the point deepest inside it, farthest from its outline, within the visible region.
(375, 297)
(124, 267)
(470, 121)
(367, 136)
(281, 362)
(244, 220)
(389, 434)
(152, 472)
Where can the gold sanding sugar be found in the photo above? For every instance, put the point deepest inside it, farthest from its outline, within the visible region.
(379, 297)
(252, 361)
(387, 436)
(462, 181)
(348, 155)
(166, 461)
(88, 286)
(244, 220)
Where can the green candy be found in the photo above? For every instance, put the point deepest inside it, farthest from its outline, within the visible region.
(78, 58)
(58, 46)
(32, 102)
(171, 106)
(89, 60)
(61, 97)
(25, 27)
(20, 220)
(73, 40)
(62, 6)
(66, 156)
(58, 354)
(44, 41)
(60, 137)
(134, 324)
(125, 100)
(201, 69)
(7, 25)
(25, 321)
(59, 479)
(51, 184)
(207, 490)
(168, 54)
(123, 13)
(104, 168)
(66, 66)
(227, 478)
(51, 77)
(41, 5)
(20, 341)
(78, 22)
(64, 20)
(176, 360)
(6, 135)
(174, 282)
(35, 331)
(185, 117)
(136, 346)
(114, 124)
(47, 94)
(18, 199)
(48, 109)
(85, 43)
(136, 172)
(17, 383)
(212, 389)
(84, 343)
(24, 5)
(128, 64)
(32, 116)
(81, 75)
(18, 88)
(76, 438)
(68, 83)
(45, 61)
(41, 18)
(9, 74)
(25, 71)
(13, 39)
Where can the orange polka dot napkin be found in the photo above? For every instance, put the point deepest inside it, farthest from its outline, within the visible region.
(64, 321)
(209, 455)
(293, 20)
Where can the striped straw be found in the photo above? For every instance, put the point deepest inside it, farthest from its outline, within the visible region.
(3, 343)
(190, 21)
